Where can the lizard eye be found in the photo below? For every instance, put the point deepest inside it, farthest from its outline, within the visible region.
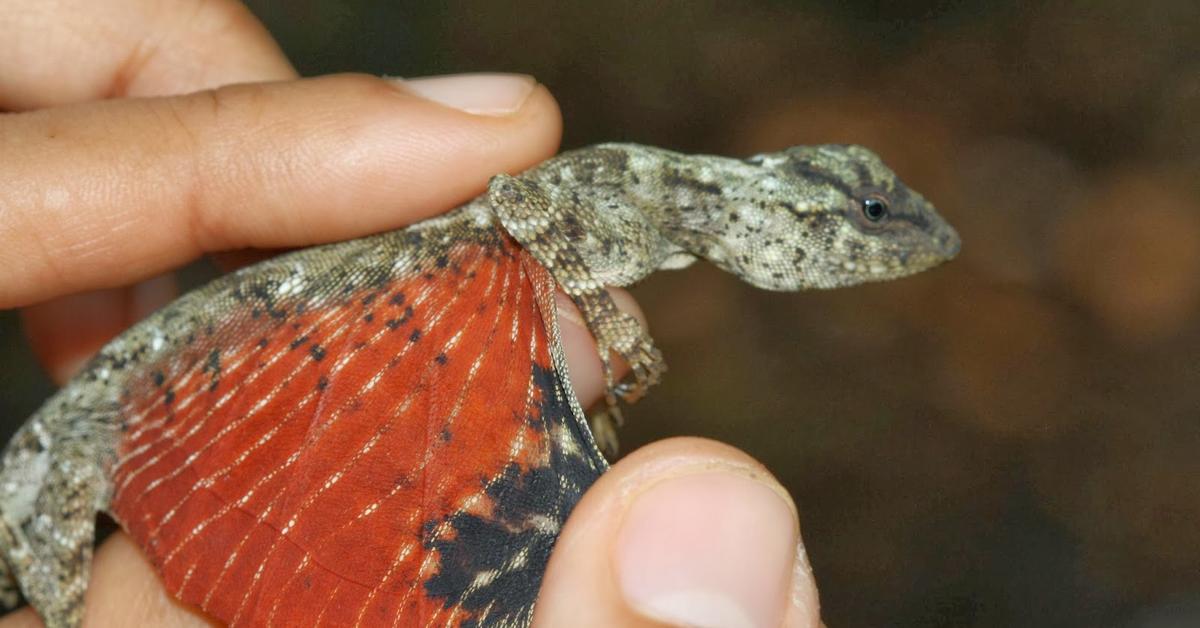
(874, 209)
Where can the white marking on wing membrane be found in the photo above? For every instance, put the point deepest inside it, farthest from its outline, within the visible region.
(187, 577)
(329, 600)
(275, 606)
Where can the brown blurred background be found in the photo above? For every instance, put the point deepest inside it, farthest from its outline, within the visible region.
(1009, 440)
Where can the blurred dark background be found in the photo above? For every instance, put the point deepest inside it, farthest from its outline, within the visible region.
(1009, 440)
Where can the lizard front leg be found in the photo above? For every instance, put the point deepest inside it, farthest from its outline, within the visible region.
(552, 232)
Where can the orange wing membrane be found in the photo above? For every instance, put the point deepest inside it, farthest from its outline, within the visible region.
(402, 454)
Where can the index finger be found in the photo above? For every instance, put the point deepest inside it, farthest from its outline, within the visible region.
(103, 194)
(61, 52)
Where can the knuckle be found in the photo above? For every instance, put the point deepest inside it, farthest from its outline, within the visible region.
(201, 124)
(363, 87)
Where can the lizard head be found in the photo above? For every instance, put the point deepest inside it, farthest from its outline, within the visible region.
(837, 216)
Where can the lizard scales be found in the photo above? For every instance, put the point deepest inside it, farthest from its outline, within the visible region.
(381, 431)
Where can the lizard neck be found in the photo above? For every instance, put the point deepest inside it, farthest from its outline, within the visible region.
(661, 205)
(745, 218)
(702, 204)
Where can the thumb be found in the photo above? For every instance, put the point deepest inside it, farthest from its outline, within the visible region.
(684, 532)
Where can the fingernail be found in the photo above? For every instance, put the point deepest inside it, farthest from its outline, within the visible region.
(480, 94)
(711, 549)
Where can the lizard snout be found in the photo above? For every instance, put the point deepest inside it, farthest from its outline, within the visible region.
(949, 242)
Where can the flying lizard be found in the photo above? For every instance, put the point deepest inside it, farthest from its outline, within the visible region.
(381, 431)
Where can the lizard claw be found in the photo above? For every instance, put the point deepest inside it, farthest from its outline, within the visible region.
(646, 366)
(604, 430)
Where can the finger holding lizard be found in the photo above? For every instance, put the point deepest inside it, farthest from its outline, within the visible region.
(60, 53)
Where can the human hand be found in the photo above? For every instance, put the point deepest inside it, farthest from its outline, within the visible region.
(98, 195)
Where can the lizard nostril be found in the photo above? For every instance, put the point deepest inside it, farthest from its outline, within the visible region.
(951, 243)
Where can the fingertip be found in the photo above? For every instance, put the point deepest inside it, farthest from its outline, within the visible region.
(583, 363)
(66, 332)
(804, 605)
(681, 532)
(125, 591)
(23, 617)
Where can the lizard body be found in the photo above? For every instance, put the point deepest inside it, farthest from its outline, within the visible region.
(331, 397)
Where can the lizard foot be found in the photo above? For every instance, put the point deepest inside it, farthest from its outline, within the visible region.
(646, 368)
(618, 334)
(626, 337)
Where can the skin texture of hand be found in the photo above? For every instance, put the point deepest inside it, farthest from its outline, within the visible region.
(111, 178)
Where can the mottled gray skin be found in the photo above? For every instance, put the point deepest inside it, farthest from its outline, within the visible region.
(605, 215)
